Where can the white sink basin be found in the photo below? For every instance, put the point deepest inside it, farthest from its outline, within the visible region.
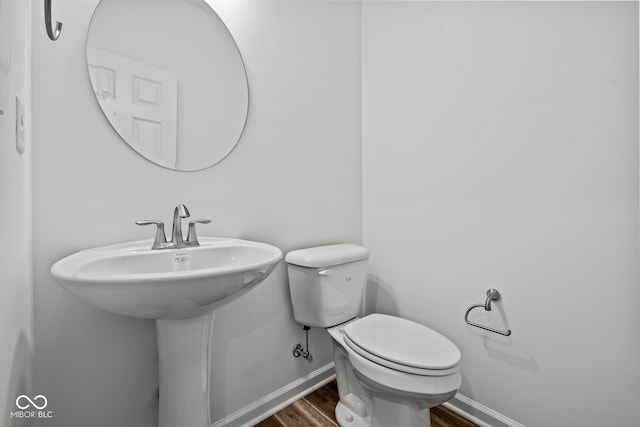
(132, 280)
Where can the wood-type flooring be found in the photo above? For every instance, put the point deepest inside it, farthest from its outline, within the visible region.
(317, 410)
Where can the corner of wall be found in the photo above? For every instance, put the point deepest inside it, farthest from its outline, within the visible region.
(16, 292)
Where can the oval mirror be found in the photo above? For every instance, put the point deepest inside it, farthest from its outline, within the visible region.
(169, 78)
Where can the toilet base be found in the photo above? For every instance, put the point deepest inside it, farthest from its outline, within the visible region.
(395, 412)
(387, 406)
(387, 412)
(347, 418)
(395, 407)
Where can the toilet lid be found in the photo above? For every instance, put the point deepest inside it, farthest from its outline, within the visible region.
(403, 342)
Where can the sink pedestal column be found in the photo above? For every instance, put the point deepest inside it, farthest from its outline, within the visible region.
(184, 354)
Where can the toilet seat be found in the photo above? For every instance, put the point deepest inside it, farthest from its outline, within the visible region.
(426, 385)
(402, 345)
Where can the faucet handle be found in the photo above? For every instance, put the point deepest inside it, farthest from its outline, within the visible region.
(161, 239)
(192, 238)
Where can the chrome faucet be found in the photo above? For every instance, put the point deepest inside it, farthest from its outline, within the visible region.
(177, 241)
(179, 212)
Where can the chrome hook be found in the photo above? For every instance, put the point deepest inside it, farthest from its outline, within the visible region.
(51, 32)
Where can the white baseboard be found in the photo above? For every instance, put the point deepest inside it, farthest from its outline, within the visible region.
(252, 414)
(478, 413)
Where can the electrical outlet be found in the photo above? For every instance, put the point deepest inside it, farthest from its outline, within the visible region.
(20, 119)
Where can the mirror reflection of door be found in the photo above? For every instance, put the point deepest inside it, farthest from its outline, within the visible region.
(140, 102)
(170, 79)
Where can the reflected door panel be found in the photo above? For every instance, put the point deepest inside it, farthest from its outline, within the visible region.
(140, 101)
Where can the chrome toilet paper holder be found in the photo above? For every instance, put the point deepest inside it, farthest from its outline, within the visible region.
(492, 295)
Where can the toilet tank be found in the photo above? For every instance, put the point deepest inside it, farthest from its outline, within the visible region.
(326, 283)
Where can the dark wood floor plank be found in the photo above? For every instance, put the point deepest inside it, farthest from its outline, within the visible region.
(443, 417)
(270, 422)
(318, 410)
(327, 416)
(302, 414)
(325, 398)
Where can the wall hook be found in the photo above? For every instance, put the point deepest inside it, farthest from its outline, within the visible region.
(53, 33)
(492, 295)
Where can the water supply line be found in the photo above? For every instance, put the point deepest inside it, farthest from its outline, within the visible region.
(299, 350)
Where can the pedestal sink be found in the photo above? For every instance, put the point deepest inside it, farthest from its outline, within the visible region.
(180, 289)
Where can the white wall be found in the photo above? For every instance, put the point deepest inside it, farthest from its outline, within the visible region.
(293, 180)
(501, 150)
(15, 214)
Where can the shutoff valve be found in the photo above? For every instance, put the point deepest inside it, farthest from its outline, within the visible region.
(299, 350)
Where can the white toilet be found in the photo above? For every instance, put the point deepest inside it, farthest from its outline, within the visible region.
(389, 370)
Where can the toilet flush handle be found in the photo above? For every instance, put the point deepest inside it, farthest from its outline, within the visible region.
(324, 272)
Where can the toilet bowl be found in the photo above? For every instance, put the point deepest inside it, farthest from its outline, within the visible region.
(389, 370)
(397, 382)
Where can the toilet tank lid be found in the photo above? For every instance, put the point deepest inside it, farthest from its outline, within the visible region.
(327, 256)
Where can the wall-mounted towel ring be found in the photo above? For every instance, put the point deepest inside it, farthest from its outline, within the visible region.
(492, 295)
(53, 33)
